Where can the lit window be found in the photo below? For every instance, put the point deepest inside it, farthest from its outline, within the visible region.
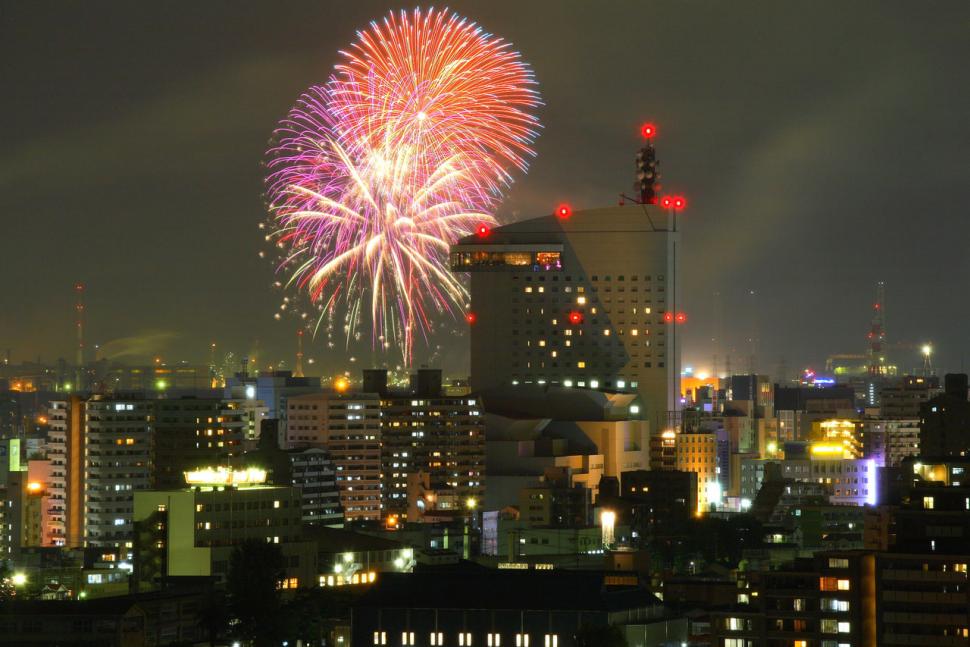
(380, 637)
(494, 640)
(464, 639)
(276, 504)
(552, 640)
(580, 364)
(437, 639)
(521, 640)
(927, 503)
(407, 638)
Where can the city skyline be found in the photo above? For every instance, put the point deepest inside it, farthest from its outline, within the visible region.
(157, 184)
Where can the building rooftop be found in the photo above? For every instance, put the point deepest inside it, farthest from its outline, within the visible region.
(477, 588)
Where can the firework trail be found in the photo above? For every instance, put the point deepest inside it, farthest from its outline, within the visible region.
(405, 149)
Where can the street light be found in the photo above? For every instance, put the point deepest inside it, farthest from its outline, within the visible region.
(19, 579)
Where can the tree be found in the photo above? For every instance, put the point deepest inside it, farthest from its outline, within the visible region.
(600, 636)
(256, 570)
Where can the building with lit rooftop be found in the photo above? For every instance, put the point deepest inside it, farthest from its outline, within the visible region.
(586, 299)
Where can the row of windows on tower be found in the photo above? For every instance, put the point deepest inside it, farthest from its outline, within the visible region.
(541, 289)
(621, 277)
(584, 364)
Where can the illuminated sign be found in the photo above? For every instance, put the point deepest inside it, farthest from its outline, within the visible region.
(226, 476)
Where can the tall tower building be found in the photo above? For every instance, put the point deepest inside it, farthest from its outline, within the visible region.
(585, 299)
(118, 438)
(65, 449)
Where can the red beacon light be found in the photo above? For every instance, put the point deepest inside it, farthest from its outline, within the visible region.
(667, 202)
(483, 231)
(648, 131)
(681, 317)
(471, 317)
(668, 317)
(575, 317)
(680, 203)
(564, 211)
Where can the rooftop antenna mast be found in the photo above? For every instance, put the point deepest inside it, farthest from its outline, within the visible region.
(79, 325)
(298, 369)
(877, 332)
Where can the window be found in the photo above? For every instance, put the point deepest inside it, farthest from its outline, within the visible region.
(830, 604)
(521, 640)
(437, 639)
(832, 584)
(927, 503)
(494, 640)
(844, 627)
(829, 626)
(552, 640)
(464, 639)
(407, 638)
(838, 562)
(380, 637)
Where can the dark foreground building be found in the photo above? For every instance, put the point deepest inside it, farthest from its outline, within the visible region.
(160, 618)
(471, 607)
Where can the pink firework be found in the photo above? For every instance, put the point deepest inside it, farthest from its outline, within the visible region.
(405, 150)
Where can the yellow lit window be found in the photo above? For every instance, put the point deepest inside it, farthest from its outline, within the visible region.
(580, 364)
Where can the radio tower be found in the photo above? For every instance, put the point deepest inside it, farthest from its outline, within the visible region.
(79, 324)
(647, 163)
(298, 369)
(877, 332)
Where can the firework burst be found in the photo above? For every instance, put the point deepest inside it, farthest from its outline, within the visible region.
(403, 151)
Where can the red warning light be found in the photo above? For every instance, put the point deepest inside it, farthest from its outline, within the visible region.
(564, 211)
(876, 306)
(667, 202)
(680, 202)
(648, 131)
(483, 231)
(668, 317)
(681, 317)
(471, 317)
(575, 318)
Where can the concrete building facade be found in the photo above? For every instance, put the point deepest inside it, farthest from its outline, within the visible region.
(587, 300)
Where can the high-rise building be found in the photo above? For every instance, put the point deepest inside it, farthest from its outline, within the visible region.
(697, 452)
(117, 463)
(65, 449)
(314, 475)
(945, 420)
(191, 433)
(425, 431)
(586, 299)
(348, 426)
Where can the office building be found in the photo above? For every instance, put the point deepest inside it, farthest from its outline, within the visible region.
(118, 439)
(194, 432)
(191, 531)
(890, 441)
(587, 300)
(508, 608)
(945, 420)
(65, 449)
(348, 427)
(829, 600)
(697, 453)
(425, 431)
(315, 476)
(902, 397)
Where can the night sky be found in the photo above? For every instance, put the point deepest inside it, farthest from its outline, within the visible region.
(823, 146)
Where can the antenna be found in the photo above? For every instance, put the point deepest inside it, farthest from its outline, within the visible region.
(298, 369)
(877, 332)
(79, 325)
(647, 175)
